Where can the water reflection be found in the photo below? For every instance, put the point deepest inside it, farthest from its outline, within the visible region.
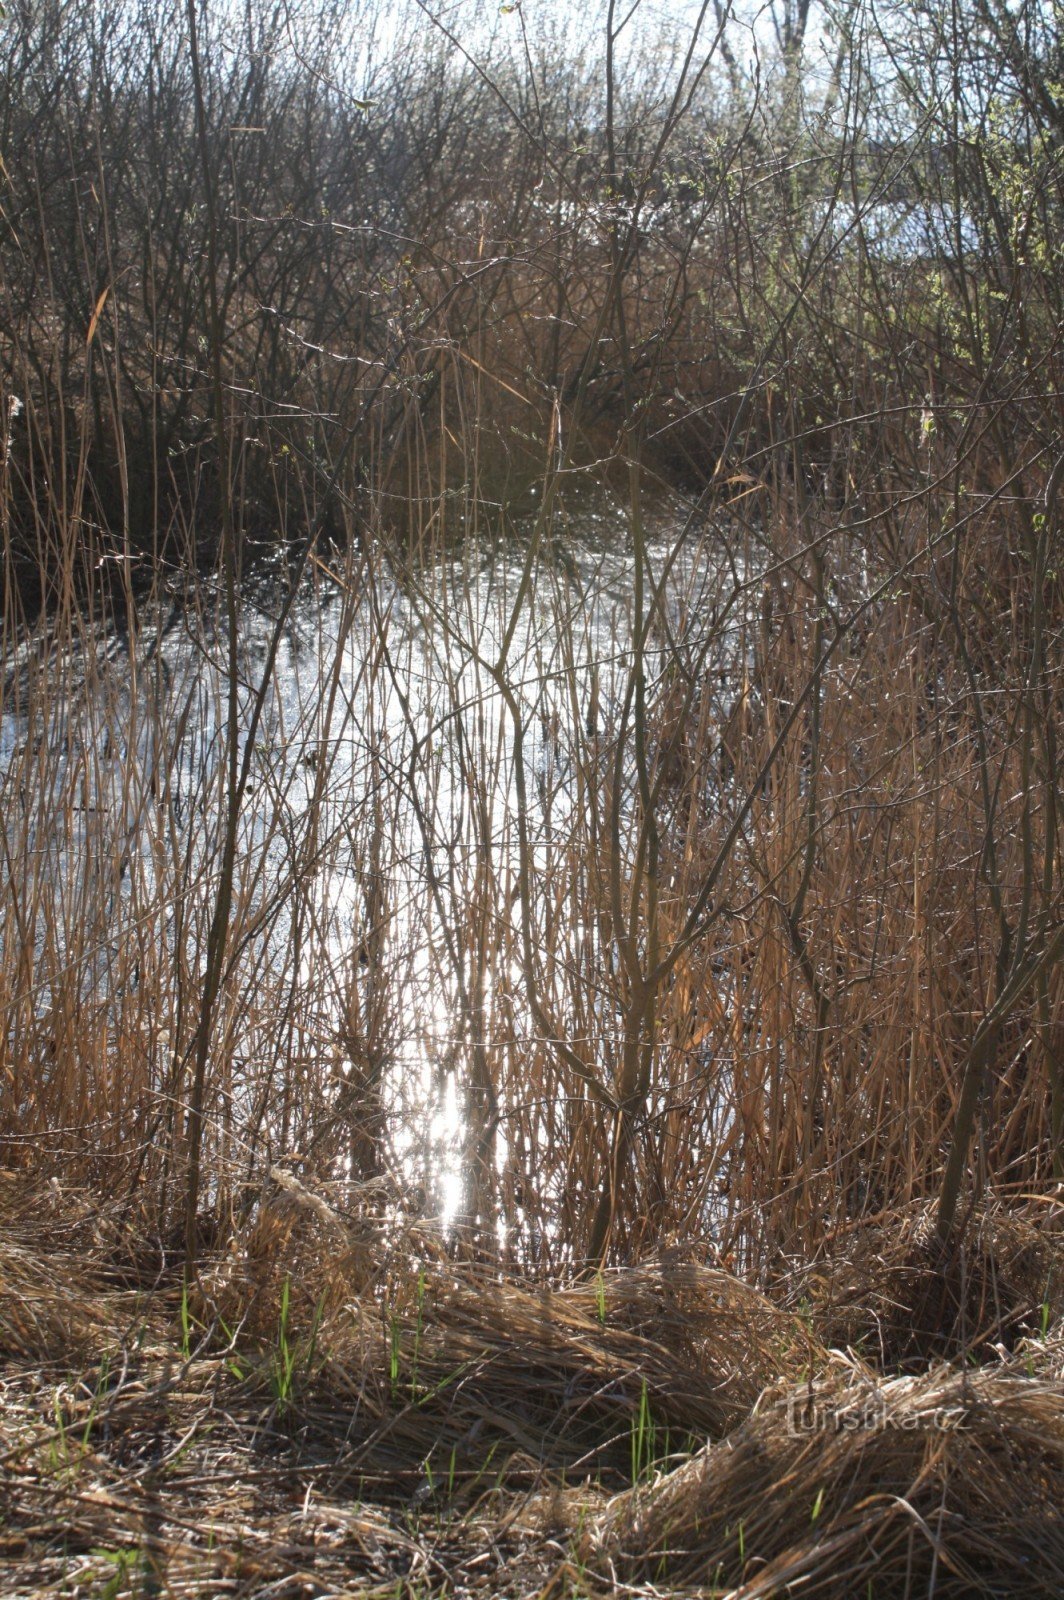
(375, 1015)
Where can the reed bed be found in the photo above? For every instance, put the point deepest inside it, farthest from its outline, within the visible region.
(530, 708)
(698, 887)
(884, 1288)
(396, 946)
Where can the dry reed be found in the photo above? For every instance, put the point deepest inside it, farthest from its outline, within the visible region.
(945, 1484)
(529, 809)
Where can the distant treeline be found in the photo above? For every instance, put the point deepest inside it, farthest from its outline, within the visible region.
(421, 233)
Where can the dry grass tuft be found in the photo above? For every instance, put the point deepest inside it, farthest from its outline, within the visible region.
(62, 1274)
(298, 1245)
(951, 1483)
(50, 1309)
(888, 1291)
(480, 1363)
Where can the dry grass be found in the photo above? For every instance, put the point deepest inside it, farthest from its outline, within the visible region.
(439, 1429)
(886, 1287)
(427, 1414)
(492, 990)
(945, 1484)
(418, 1356)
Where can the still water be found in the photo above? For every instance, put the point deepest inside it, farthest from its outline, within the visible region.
(426, 727)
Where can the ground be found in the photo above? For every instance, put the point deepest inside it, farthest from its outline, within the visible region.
(319, 1418)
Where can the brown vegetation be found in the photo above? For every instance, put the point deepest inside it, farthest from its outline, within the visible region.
(530, 804)
(318, 1419)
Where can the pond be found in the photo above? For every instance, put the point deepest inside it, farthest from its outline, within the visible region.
(443, 764)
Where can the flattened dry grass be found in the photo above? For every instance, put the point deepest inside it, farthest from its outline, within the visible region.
(416, 1354)
(340, 1408)
(64, 1291)
(948, 1484)
(337, 1405)
(560, 1376)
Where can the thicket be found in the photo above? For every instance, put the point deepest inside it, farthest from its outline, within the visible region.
(531, 999)
(749, 932)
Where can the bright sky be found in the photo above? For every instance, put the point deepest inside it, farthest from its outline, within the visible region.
(485, 26)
